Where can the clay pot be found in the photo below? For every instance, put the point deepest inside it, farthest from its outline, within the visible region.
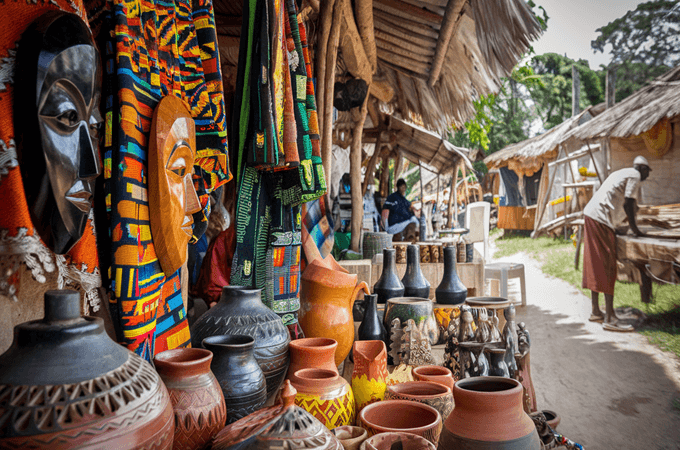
(326, 294)
(370, 372)
(65, 384)
(282, 426)
(310, 353)
(241, 311)
(438, 374)
(415, 283)
(388, 285)
(371, 328)
(489, 415)
(398, 416)
(326, 396)
(419, 309)
(350, 437)
(240, 377)
(196, 396)
(433, 394)
(451, 291)
(407, 441)
(553, 419)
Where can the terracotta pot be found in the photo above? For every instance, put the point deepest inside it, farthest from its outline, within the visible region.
(350, 437)
(433, 394)
(407, 441)
(438, 374)
(241, 311)
(553, 419)
(283, 426)
(388, 285)
(196, 396)
(326, 299)
(402, 416)
(419, 309)
(241, 379)
(489, 415)
(310, 353)
(65, 384)
(326, 396)
(370, 372)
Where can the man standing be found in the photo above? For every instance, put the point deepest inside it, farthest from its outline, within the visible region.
(604, 217)
(397, 212)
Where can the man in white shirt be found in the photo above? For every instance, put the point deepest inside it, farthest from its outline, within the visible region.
(604, 217)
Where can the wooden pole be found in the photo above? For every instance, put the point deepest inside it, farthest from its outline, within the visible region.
(452, 197)
(610, 93)
(364, 16)
(385, 176)
(355, 177)
(370, 169)
(465, 184)
(575, 91)
(325, 24)
(454, 10)
(398, 167)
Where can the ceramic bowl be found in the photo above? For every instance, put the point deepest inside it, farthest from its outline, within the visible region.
(402, 416)
(430, 393)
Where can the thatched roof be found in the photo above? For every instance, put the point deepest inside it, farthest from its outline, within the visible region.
(527, 157)
(639, 112)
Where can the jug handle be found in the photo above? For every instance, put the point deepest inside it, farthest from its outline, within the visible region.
(361, 286)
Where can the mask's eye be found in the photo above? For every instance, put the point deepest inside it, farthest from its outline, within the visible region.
(179, 167)
(95, 129)
(68, 118)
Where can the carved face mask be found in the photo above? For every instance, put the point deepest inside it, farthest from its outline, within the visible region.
(172, 197)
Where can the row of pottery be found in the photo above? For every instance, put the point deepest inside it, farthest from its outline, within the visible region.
(451, 290)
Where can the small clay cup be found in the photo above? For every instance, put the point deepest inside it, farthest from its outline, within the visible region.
(311, 353)
(553, 419)
(350, 437)
(399, 416)
(430, 393)
(438, 374)
(384, 441)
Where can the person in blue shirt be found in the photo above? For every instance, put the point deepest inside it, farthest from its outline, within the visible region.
(397, 212)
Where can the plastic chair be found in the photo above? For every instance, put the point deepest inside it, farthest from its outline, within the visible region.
(477, 221)
(503, 271)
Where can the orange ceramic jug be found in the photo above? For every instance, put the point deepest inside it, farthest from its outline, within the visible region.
(326, 300)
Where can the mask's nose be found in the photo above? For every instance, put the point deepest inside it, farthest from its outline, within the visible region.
(192, 203)
(90, 165)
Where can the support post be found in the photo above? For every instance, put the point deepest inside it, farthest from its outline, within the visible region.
(610, 93)
(575, 90)
(355, 177)
(370, 169)
(452, 197)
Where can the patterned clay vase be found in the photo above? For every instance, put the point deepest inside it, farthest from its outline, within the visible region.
(402, 416)
(451, 291)
(326, 396)
(489, 415)
(241, 311)
(436, 395)
(196, 396)
(372, 328)
(421, 310)
(326, 300)
(370, 372)
(65, 384)
(312, 353)
(415, 283)
(240, 377)
(388, 285)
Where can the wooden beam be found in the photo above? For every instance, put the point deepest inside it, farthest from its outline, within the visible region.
(454, 11)
(575, 91)
(412, 54)
(452, 197)
(325, 23)
(381, 90)
(398, 167)
(373, 113)
(364, 17)
(409, 65)
(383, 28)
(409, 12)
(355, 178)
(405, 44)
(370, 168)
(400, 24)
(385, 175)
(352, 47)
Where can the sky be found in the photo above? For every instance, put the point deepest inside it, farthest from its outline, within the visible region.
(572, 25)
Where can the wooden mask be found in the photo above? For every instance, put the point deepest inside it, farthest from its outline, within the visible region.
(172, 197)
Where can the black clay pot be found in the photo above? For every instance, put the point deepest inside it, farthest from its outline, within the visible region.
(451, 291)
(236, 369)
(241, 311)
(415, 283)
(388, 286)
(372, 328)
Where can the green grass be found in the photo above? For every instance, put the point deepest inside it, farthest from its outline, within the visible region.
(556, 256)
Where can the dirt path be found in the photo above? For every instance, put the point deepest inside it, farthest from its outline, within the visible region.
(612, 390)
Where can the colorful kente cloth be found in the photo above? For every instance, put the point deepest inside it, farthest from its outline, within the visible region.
(161, 49)
(317, 220)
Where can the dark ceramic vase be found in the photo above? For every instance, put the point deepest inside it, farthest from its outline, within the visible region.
(196, 396)
(372, 328)
(388, 285)
(415, 283)
(65, 384)
(451, 291)
(241, 311)
(240, 377)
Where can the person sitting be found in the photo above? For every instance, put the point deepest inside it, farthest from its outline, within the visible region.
(397, 212)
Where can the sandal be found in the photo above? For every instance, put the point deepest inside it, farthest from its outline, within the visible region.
(596, 318)
(617, 327)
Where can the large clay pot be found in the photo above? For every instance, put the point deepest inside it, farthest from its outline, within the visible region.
(433, 394)
(196, 396)
(282, 426)
(326, 299)
(350, 437)
(312, 353)
(325, 395)
(421, 310)
(370, 372)
(65, 384)
(406, 441)
(415, 283)
(399, 416)
(489, 415)
(388, 285)
(372, 328)
(241, 379)
(241, 311)
(451, 291)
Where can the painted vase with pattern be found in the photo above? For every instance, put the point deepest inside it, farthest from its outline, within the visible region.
(489, 415)
(196, 396)
(240, 377)
(241, 311)
(402, 416)
(65, 384)
(421, 310)
(325, 395)
(370, 372)
(433, 394)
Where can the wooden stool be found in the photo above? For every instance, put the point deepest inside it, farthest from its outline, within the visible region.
(504, 271)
